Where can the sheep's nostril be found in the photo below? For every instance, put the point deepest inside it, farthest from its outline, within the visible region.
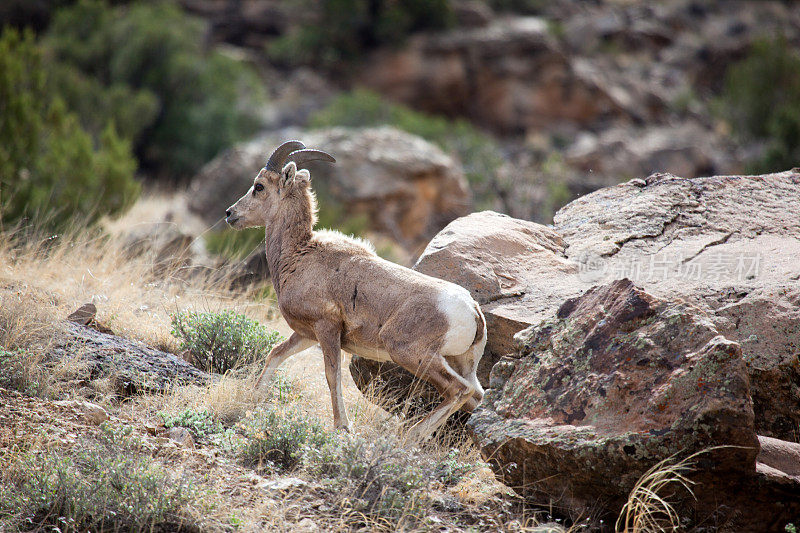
(228, 213)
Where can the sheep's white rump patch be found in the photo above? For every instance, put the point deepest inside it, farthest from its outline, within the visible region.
(457, 305)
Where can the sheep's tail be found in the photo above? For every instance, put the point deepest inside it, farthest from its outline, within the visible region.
(480, 321)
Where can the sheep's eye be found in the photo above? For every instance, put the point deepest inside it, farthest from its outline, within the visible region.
(258, 187)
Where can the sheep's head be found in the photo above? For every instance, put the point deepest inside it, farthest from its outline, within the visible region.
(274, 183)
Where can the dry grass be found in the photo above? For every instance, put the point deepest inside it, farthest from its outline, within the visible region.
(648, 509)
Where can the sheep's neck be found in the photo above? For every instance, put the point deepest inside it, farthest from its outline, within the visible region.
(286, 237)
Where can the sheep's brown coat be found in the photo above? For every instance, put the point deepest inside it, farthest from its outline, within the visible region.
(335, 291)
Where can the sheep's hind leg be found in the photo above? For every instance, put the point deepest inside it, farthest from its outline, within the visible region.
(466, 366)
(294, 344)
(455, 390)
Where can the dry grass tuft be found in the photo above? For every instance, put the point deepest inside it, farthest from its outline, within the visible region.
(648, 509)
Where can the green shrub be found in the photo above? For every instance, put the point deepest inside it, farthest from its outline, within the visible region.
(280, 439)
(478, 153)
(761, 98)
(222, 341)
(51, 169)
(99, 486)
(450, 470)
(343, 30)
(199, 423)
(186, 103)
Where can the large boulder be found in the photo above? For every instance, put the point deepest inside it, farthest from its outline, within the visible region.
(407, 188)
(727, 244)
(615, 381)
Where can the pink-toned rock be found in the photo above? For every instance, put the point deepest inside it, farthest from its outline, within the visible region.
(614, 382)
(727, 244)
(508, 265)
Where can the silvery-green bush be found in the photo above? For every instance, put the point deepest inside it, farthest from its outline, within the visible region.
(219, 342)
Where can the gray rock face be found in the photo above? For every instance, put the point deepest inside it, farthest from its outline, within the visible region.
(134, 366)
(612, 383)
(407, 188)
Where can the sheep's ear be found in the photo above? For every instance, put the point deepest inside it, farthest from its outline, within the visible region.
(288, 174)
(302, 178)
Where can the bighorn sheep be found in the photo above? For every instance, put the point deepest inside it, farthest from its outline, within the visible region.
(334, 290)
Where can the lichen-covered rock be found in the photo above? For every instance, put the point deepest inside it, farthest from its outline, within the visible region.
(616, 381)
(727, 244)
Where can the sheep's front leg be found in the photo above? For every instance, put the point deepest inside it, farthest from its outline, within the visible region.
(294, 344)
(329, 336)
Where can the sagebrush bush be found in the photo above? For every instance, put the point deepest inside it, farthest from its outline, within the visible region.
(199, 423)
(100, 485)
(333, 31)
(222, 341)
(51, 169)
(478, 153)
(761, 98)
(277, 439)
(182, 102)
(381, 477)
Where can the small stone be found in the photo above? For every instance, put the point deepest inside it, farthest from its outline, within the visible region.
(182, 436)
(89, 412)
(306, 525)
(84, 315)
(284, 483)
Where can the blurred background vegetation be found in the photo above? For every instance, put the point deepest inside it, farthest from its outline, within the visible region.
(100, 98)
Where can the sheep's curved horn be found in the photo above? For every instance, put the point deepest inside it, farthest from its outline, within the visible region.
(304, 156)
(278, 157)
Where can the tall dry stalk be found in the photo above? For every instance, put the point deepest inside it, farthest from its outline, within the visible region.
(647, 509)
